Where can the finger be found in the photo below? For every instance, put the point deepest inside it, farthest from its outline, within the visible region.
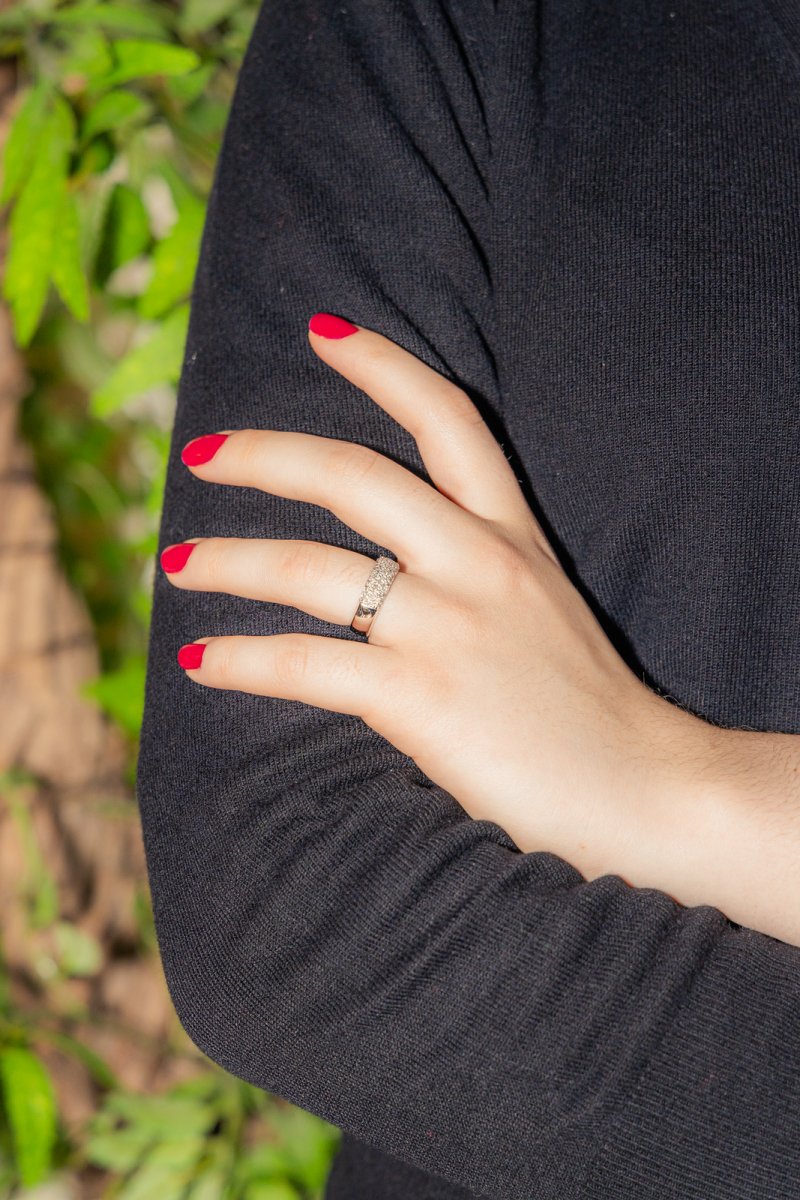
(371, 493)
(323, 580)
(461, 455)
(333, 673)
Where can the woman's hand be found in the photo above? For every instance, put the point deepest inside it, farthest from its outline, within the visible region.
(484, 664)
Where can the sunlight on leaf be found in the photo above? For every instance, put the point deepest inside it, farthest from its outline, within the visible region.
(29, 1102)
(158, 360)
(68, 275)
(137, 59)
(23, 137)
(32, 226)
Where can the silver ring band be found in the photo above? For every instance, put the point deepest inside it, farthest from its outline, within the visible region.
(379, 580)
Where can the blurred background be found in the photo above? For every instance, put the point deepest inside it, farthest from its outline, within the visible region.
(111, 115)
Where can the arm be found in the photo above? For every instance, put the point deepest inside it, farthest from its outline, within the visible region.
(489, 698)
(333, 927)
(724, 819)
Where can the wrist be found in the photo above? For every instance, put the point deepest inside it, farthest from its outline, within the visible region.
(721, 821)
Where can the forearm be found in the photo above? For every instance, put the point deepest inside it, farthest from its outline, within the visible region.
(715, 819)
(332, 926)
(733, 835)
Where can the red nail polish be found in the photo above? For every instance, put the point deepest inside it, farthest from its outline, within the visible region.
(329, 326)
(175, 558)
(191, 655)
(202, 449)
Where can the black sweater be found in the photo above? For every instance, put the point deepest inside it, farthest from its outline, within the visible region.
(587, 214)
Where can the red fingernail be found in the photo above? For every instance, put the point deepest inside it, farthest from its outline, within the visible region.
(202, 449)
(175, 558)
(191, 655)
(329, 326)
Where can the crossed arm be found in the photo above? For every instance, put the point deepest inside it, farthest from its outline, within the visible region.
(333, 925)
(486, 666)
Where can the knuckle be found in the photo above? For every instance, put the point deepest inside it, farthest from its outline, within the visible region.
(381, 356)
(291, 661)
(449, 405)
(351, 462)
(453, 619)
(466, 625)
(301, 562)
(215, 560)
(462, 407)
(222, 663)
(249, 448)
(382, 704)
(505, 563)
(345, 668)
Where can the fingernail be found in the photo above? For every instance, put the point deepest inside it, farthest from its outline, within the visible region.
(202, 449)
(191, 655)
(175, 558)
(329, 326)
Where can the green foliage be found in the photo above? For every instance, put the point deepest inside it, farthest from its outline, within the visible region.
(195, 1138)
(120, 693)
(156, 360)
(37, 253)
(30, 1108)
(105, 174)
(23, 137)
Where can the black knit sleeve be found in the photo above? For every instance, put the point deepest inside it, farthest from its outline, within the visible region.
(333, 927)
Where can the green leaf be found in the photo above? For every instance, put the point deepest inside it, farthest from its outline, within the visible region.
(212, 1184)
(120, 693)
(67, 270)
(112, 112)
(158, 360)
(137, 59)
(121, 1150)
(117, 18)
(174, 262)
(241, 23)
(127, 229)
(308, 1144)
(213, 1178)
(200, 15)
(208, 116)
(163, 1117)
(94, 160)
(32, 227)
(186, 88)
(23, 137)
(150, 1181)
(30, 1106)
(178, 1153)
(86, 57)
(204, 1087)
(79, 954)
(268, 1161)
(276, 1189)
(93, 203)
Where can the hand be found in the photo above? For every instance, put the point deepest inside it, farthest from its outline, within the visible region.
(484, 663)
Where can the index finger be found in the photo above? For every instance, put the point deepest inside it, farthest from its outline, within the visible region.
(461, 455)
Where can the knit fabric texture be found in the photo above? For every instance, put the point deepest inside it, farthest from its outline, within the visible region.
(587, 214)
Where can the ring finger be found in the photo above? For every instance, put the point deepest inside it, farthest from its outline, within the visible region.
(325, 581)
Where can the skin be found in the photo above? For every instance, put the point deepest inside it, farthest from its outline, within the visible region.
(558, 741)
